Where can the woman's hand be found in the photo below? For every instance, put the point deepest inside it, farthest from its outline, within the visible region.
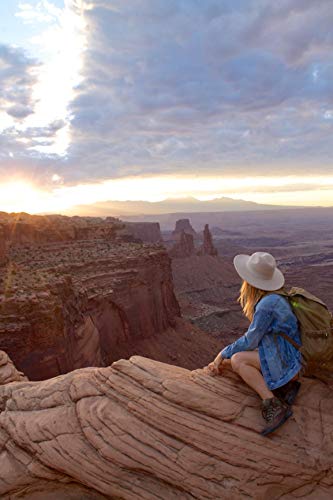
(215, 367)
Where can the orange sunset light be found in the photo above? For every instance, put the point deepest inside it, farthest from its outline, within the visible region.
(24, 196)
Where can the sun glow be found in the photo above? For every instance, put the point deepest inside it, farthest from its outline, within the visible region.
(25, 196)
(61, 45)
(21, 196)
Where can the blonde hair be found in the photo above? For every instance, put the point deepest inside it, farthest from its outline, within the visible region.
(248, 297)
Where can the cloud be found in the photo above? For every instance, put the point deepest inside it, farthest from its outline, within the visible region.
(20, 158)
(41, 12)
(17, 77)
(238, 90)
(299, 31)
(179, 86)
(19, 111)
(35, 91)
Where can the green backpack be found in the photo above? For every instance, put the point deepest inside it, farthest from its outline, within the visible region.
(316, 327)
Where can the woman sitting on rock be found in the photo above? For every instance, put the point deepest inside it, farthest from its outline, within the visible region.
(272, 369)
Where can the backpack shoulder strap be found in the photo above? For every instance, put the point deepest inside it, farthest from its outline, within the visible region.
(304, 293)
(289, 339)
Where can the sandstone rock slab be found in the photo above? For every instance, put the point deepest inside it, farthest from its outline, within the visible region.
(144, 429)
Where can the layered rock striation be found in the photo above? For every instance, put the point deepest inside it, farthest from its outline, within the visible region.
(144, 429)
(23, 228)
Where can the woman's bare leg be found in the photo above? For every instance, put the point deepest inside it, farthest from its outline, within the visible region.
(247, 365)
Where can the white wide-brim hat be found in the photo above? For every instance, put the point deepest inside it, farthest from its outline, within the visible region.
(259, 270)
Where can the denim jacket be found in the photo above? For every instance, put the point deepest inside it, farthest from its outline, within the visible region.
(279, 360)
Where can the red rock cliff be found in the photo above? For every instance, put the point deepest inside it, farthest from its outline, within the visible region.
(3, 248)
(81, 303)
(148, 232)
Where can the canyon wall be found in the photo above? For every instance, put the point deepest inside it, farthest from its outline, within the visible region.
(76, 303)
(24, 228)
(3, 247)
(148, 232)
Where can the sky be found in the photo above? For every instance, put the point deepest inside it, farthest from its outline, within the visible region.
(153, 99)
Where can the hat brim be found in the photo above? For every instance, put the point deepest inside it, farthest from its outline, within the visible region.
(269, 285)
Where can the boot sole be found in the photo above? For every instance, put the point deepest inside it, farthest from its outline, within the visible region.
(265, 432)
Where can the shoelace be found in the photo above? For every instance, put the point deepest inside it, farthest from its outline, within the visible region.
(268, 412)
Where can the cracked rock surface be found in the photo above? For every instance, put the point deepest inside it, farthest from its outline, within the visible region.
(144, 429)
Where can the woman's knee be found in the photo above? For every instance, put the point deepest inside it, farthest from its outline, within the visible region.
(236, 361)
(249, 358)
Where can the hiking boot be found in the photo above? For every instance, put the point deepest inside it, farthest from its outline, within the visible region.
(275, 412)
(288, 392)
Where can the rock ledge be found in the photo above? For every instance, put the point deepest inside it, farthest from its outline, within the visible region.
(143, 429)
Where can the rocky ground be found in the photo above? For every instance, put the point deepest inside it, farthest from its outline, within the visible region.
(141, 429)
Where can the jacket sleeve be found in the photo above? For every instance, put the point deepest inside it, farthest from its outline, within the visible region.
(260, 325)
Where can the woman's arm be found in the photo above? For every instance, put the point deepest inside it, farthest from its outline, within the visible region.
(260, 324)
(262, 320)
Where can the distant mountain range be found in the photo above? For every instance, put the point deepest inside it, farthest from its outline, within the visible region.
(183, 205)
